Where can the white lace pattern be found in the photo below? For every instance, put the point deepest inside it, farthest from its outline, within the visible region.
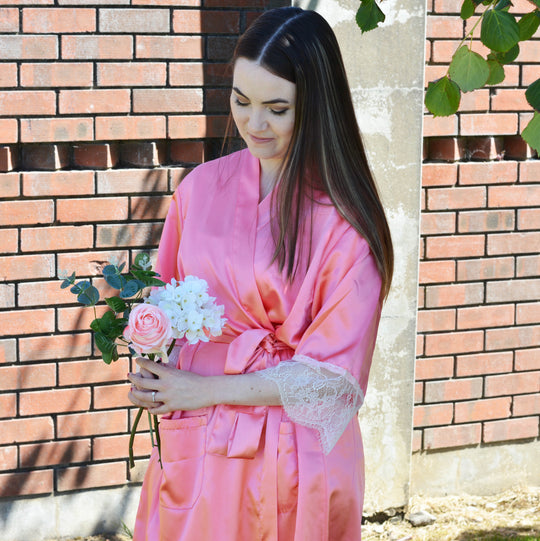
(317, 395)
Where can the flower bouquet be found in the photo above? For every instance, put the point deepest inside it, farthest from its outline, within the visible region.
(177, 310)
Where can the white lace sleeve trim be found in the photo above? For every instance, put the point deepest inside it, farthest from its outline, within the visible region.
(317, 395)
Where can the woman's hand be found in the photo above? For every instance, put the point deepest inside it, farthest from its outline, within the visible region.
(174, 389)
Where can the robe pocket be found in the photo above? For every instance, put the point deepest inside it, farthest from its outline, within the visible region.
(287, 468)
(182, 456)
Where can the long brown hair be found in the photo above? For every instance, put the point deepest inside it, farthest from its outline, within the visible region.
(301, 47)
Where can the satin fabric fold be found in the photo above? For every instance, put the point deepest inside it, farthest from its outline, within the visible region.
(248, 473)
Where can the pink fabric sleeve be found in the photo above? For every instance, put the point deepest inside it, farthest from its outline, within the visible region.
(323, 386)
(167, 258)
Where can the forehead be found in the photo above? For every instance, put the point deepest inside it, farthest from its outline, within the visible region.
(259, 84)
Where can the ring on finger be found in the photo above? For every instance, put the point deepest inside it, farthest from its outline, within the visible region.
(153, 396)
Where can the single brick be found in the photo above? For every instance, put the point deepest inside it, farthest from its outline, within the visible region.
(482, 410)
(488, 173)
(169, 47)
(91, 423)
(187, 74)
(9, 130)
(58, 20)
(528, 359)
(195, 21)
(514, 337)
(99, 209)
(55, 453)
(514, 196)
(97, 47)
(58, 183)
(132, 74)
(134, 21)
(7, 295)
(483, 363)
(131, 180)
(90, 263)
(453, 389)
(55, 401)
(529, 219)
(73, 102)
(91, 476)
(38, 130)
(455, 342)
(96, 156)
(526, 405)
(111, 396)
(454, 295)
(187, 151)
(447, 149)
(140, 234)
(28, 47)
(455, 246)
(511, 243)
(22, 102)
(489, 124)
(50, 74)
(77, 318)
(452, 436)
(65, 346)
(8, 75)
(32, 429)
(434, 368)
(513, 290)
(26, 212)
(437, 414)
(436, 320)
(91, 371)
(440, 126)
(26, 483)
(43, 293)
(510, 384)
(456, 198)
(506, 99)
(153, 207)
(528, 266)
(165, 100)
(21, 322)
(485, 269)
(45, 157)
(481, 317)
(528, 313)
(197, 126)
(8, 350)
(511, 429)
(439, 174)
(122, 127)
(143, 153)
(486, 220)
(431, 272)
(45, 239)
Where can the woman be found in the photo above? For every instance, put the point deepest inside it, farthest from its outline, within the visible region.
(260, 439)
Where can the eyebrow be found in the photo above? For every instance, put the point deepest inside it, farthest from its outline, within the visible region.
(269, 102)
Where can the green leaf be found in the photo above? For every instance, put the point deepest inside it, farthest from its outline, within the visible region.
(506, 57)
(528, 25)
(503, 5)
(467, 9)
(499, 31)
(117, 304)
(496, 73)
(89, 297)
(70, 280)
(142, 260)
(112, 276)
(131, 288)
(106, 346)
(533, 95)
(531, 133)
(369, 15)
(468, 69)
(442, 97)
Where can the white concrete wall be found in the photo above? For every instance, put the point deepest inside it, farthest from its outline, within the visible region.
(386, 72)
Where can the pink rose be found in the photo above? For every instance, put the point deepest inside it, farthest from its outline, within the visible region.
(148, 329)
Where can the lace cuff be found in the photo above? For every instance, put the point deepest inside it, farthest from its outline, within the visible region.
(317, 395)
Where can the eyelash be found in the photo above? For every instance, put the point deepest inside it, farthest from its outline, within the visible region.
(278, 113)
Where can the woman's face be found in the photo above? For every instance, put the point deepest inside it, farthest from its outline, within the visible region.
(262, 105)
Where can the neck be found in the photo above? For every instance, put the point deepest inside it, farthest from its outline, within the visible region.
(268, 179)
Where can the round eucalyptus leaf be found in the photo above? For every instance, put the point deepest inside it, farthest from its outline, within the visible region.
(496, 73)
(528, 25)
(443, 97)
(499, 31)
(130, 288)
(468, 69)
(89, 297)
(115, 280)
(533, 95)
(531, 133)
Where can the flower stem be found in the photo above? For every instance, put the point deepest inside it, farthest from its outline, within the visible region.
(132, 437)
(158, 438)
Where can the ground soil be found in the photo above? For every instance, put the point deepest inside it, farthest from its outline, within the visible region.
(514, 514)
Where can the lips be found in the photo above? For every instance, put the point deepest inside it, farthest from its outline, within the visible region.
(260, 140)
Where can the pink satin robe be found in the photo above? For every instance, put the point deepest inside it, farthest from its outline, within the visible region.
(238, 473)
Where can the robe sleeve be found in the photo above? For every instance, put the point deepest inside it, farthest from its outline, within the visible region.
(323, 385)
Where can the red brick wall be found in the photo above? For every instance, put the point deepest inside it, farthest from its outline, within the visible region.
(478, 364)
(100, 110)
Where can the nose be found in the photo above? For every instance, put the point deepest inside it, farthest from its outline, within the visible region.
(256, 122)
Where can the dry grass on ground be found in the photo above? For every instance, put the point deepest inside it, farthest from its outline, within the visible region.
(514, 514)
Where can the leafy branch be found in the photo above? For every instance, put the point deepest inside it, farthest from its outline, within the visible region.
(501, 33)
(110, 327)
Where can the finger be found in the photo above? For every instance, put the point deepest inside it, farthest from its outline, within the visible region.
(145, 384)
(158, 369)
(145, 399)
